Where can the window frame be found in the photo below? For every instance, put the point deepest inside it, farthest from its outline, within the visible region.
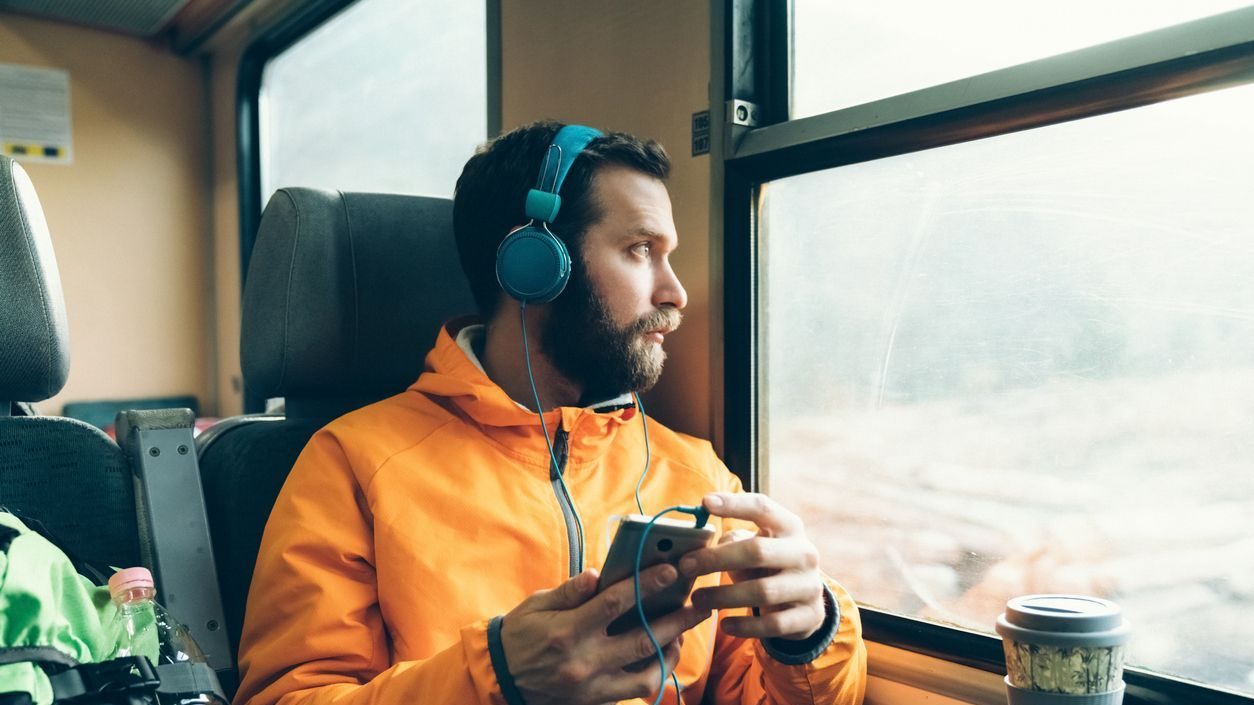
(275, 38)
(755, 65)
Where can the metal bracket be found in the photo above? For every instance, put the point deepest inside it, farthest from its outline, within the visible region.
(174, 524)
(743, 113)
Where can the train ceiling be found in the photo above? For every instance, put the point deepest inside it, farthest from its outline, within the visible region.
(182, 24)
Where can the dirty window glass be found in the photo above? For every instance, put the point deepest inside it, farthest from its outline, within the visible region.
(1026, 364)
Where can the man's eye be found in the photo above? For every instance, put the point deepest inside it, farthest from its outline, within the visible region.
(642, 250)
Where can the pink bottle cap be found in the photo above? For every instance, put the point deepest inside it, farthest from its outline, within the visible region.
(129, 578)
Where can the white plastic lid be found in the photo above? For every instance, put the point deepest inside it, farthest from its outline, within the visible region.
(1063, 620)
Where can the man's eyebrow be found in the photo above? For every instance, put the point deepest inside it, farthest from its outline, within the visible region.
(648, 233)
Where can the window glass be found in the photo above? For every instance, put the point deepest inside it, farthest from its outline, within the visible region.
(389, 95)
(1026, 364)
(847, 53)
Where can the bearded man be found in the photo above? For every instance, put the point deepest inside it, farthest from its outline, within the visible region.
(431, 548)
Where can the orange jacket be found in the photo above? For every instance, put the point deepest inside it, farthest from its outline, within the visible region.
(405, 526)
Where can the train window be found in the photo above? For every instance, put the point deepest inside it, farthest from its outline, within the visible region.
(850, 53)
(1026, 364)
(368, 102)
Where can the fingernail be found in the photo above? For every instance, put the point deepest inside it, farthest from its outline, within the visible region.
(714, 501)
(666, 576)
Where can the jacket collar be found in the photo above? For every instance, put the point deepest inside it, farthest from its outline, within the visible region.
(454, 376)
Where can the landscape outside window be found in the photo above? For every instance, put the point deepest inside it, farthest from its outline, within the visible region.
(366, 102)
(1026, 364)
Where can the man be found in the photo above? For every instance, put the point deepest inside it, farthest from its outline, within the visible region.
(430, 549)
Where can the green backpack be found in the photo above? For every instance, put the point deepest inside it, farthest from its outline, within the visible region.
(54, 629)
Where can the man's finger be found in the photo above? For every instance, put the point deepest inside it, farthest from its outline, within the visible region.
(568, 595)
(799, 620)
(768, 514)
(780, 589)
(644, 682)
(635, 645)
(750, 554)
(616, 599)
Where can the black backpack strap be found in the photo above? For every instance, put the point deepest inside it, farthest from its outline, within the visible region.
(7, 534)
(128, 679)
(50, 659)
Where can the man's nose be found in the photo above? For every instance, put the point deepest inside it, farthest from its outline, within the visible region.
(668, 290)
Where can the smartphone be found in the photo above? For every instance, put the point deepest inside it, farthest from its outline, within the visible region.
(668, 541)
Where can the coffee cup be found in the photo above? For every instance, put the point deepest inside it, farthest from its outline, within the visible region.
(1063, 650)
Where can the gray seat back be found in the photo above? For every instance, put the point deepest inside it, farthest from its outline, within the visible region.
(64, 474)
(344, 296)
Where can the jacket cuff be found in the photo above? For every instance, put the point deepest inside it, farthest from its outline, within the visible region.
(793, 652)
(496, 651)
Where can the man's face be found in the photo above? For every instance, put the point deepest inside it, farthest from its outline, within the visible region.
(606, 329)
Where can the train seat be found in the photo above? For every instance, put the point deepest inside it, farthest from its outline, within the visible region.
(345, 293)
(65, 474)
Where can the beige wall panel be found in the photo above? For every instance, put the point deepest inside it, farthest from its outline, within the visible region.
(641, 67)
(128, 217)
(224, 67)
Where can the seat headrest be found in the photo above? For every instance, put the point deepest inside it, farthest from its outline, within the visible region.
(346, 292)
(35, 347)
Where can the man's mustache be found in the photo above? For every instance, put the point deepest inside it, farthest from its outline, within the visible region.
(667, 319)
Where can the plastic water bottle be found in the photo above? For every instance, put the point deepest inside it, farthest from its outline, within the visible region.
(143, 628)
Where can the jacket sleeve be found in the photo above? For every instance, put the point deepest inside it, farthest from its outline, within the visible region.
(314, 633)
(747, 671)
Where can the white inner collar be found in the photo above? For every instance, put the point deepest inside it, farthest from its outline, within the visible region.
(472, 336)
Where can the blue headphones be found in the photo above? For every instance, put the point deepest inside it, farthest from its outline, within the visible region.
(532, 264)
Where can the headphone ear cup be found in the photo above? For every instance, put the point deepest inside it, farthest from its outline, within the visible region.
(532, 265)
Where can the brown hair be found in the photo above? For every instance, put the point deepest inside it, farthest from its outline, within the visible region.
(491, 191)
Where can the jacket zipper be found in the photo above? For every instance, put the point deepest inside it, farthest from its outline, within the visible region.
(561, 453)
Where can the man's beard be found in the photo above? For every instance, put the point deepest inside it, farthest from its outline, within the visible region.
(583, 343)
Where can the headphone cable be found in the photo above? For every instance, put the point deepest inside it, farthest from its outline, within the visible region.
(561, 479)
(661, 656)
(644, 422)
(644, 621)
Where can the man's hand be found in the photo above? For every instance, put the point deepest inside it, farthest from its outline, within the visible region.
(776, 571)
(558, 652)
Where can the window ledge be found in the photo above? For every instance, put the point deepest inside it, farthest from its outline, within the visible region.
(936, 676)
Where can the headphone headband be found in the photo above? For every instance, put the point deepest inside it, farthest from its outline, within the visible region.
(532, 265)
(570, 141)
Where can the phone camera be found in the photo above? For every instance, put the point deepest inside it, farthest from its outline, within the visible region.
(665, 545)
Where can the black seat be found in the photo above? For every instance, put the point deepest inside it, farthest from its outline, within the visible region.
(64, 474)
(345, 294)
